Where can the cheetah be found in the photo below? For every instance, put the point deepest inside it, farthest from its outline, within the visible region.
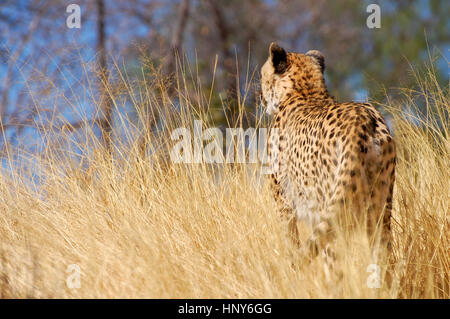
(327, 157)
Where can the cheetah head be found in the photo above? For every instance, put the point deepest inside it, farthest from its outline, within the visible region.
(285, 74)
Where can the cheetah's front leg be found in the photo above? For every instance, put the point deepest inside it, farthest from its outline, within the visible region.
(320, 239)
(293, 230)
(285, 210)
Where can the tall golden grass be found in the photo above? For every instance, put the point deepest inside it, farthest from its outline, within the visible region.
(138, 225)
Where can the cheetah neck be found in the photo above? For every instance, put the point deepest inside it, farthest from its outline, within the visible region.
(316, 98)
(310, 88)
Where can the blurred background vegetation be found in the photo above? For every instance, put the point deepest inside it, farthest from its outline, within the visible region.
(46, 68)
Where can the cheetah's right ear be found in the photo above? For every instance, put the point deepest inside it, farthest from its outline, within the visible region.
(278, 57)
(318, 56)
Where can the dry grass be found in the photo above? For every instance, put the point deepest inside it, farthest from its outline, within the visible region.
(140, 226)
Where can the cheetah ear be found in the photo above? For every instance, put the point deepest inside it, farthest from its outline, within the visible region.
(278, 57)
(318, 56)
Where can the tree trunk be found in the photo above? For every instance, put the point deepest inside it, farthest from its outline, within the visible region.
(106, 102)
(230, 72)
(177, 40)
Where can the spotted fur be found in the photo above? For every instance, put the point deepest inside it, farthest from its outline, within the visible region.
(329, 157)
